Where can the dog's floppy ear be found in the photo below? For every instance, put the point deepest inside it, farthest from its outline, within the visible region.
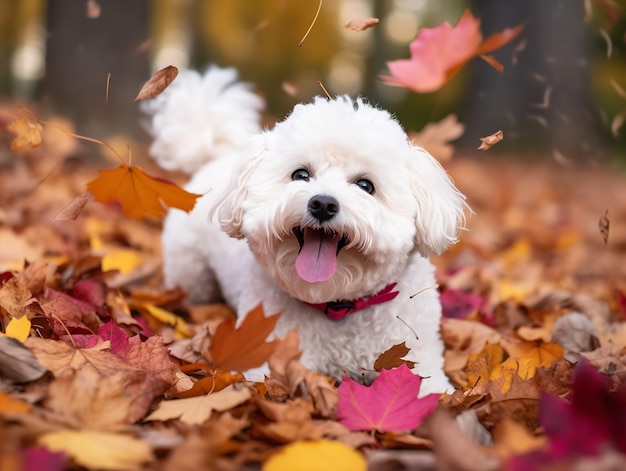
(440, 206)
(230, 204)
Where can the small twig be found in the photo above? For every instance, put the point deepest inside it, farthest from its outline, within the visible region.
(90, 139)
(410, 328)
(422, 290)
(319, 7)
(325, 91)
(106, 96)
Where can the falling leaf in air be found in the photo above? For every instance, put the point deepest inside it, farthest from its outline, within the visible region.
(390, 403)
(438, 53)
(392, 358)
(603, 226)
(487, 142)
(245, 347)
(436, 137)
(159, 81)
(138, 193)
(93, 9)
(27, 133)
(362, 25)
(73, 208)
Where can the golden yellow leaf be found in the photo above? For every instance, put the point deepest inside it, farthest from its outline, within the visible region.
(181, 328)
(531, 355)
(123, 260)
(318, 455)
(18, 328)
(27, 133)
(99, 450)
(138, 193)
(482, 365)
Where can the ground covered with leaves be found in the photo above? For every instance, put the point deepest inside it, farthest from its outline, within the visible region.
(102, 368)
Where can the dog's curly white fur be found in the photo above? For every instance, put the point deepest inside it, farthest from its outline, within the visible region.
(385, 206)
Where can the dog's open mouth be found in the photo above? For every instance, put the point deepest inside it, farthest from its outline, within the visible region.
(317, 259)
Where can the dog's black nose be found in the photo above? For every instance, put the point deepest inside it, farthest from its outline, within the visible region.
(323, 207)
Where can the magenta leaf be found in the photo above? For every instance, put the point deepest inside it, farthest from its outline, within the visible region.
(459, 304)
(38, 458)
(390, 403)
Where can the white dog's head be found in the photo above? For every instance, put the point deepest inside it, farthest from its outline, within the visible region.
(334, 199)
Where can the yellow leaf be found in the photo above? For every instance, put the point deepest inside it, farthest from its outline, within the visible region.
(317, 455)
(531, 355)
(138, 193)
(27, 133)
(99, 450)
(18, 328)
(123, 260)
(181, 328)
(482, 365)
(197, 410)
(505, 370)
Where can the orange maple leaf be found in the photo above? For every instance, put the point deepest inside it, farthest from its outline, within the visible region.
(243, 348)
(138, 193)
(439, 53)
(27, 133)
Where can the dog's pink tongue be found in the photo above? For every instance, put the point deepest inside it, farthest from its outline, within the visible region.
(317, 261)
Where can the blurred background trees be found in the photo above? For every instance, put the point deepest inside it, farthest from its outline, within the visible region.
(559, 96)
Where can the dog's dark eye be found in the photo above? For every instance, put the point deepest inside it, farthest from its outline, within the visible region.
(365, 185)
(300, 174)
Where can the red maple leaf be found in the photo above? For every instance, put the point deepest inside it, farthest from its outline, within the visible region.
(438, 53)
(389, 404)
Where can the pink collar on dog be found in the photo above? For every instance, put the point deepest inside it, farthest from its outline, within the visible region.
(337, 310)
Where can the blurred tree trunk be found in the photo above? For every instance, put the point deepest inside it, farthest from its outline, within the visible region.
(82, 50)
(543, 100)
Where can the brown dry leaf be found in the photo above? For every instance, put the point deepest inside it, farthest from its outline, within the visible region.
(151, 355)
(27, 133)
(436, 137)
(362, 25)
(16, 298)
(73, 208)
(464, 338)
(245, 347)
(603, 226)
(605, 356)
(159, 81)
(393, 358)
(217, 381)
(86, 398)
(34, 276)
(197, 410)
(489, 141)
(138, 193)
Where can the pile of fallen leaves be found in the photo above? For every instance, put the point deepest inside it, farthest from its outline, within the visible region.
(102, 368)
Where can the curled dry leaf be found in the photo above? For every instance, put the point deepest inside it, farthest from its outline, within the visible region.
(362, 25)
(603, 226)
(72, 210)
(436, 137)
(157, 83)
(487, 142)
(393, 358)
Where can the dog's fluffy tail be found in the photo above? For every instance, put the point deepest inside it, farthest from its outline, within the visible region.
(201, 117)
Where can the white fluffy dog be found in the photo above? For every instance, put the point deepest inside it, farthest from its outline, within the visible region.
(327, 218)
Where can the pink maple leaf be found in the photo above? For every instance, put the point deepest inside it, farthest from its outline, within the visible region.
(438, 53)
(390, 403)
